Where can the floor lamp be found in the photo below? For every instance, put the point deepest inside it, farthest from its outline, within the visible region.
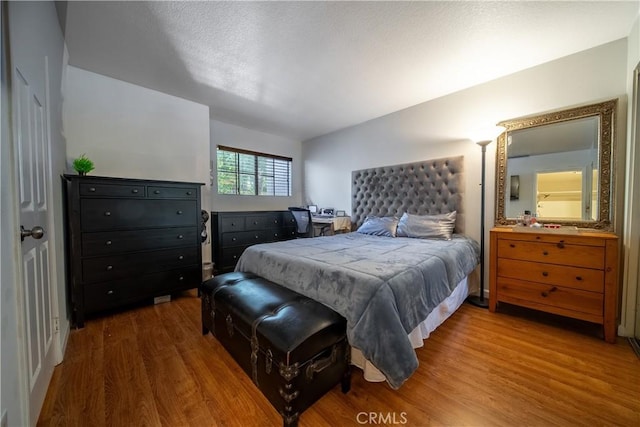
(480, 300)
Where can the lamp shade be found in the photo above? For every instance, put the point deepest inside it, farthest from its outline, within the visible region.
(484, 136)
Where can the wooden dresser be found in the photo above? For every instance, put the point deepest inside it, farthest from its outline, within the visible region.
(573, 275)
(130, 240)
(233, 232)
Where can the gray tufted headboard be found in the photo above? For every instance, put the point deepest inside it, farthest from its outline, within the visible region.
(424, 188)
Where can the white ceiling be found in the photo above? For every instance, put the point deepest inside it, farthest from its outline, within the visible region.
(304, 69)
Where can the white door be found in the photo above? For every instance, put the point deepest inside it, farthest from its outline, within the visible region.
(31, 138)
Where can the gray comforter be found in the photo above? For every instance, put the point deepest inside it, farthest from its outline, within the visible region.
(383, 286)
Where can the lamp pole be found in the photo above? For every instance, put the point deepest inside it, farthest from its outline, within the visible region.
(480, 300)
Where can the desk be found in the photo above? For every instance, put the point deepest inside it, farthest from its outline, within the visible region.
(337, 223)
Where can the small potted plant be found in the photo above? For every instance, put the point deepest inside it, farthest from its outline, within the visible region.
(83, 165)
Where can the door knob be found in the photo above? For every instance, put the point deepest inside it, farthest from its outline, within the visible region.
(36, 232)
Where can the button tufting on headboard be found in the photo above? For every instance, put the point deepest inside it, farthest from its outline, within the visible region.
(422, 188)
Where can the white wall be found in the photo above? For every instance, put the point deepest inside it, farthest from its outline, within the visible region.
(441, 127)
(527, 167)
(35, 27)
(134, 132)
(240, 137)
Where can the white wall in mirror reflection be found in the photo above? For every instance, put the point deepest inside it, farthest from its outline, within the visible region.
(557, 200)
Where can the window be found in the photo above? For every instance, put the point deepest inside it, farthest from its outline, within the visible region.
(247, 172)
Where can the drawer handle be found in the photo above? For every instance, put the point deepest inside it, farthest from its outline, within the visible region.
(560, 244)
(180, 236)
(545, 274)
(108, 243)
(181, 278)
(235, 257)
(512, 245)
(255, 222)
(156, 192)
(545, 253)
(109, 292)
(92, 189)
(578, 278)
(189, 193)
(179, 212)
(107, 213)
(257, 237)
(181, 257)
(109, 267)
(546, 294)
(275, 235)
(134, 191)
(275, 221)
(233, 224)
(233, 239)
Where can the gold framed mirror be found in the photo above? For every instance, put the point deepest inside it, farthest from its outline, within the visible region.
(558, 165)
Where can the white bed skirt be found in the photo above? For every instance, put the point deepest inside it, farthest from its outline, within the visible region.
(441, 313)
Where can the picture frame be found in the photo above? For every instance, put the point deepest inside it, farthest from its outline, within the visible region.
(313, 208)
(341, 213)
(327, 211)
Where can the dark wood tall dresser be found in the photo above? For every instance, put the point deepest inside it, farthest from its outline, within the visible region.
(233, 232)
(130, 240)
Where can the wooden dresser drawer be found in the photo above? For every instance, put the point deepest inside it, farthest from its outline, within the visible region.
(572, 277)
(113, 242)
(111, 190)
(232, 223)
(119, 266)
(160, 192)
(111, 214)
(244, 238)
(552, 253)
(102, 296)
(521, 292)
(106, 295)
(263, 221)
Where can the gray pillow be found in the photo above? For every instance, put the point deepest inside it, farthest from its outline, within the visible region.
(427, 226)
(379, 226)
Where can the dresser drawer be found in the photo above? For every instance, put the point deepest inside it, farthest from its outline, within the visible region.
(232, 223)
(263, 221)
(120, 266)
(159, 192)
(177, 280)
(553, 253)
(113, 242)
(111, 190)
(229, 257)
(103, 296)
(572, 277)
(244, 238)
(521, 292)
(106, 295)
(107, 214)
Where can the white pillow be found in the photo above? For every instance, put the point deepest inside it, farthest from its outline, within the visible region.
(427, 226)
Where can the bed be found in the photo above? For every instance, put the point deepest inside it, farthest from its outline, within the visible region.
(393, 291)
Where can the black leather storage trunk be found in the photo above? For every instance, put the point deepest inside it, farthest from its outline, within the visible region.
(293, 348)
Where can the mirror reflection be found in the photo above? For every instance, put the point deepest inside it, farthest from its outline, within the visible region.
(557, 166)
(552, 170)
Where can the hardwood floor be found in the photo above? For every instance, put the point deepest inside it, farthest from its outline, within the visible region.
(152, 367)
